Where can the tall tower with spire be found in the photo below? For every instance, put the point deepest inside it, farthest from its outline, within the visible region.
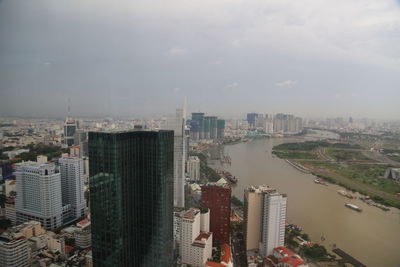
(70, 127)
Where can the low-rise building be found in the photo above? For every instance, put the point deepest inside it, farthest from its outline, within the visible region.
(83, 238)
(14, 252)
(287, 258)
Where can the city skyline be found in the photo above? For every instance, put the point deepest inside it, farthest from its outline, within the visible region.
(227, 57)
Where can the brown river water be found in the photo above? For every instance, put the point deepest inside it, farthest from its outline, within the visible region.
(371, 236)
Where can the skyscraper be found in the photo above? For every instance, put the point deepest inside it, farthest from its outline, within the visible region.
(217, 198)
(72, 192)
(131, 196)
(177, 124)
(264, 219)
(38, 194)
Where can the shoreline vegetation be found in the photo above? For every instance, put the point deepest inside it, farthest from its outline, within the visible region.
(344, 164)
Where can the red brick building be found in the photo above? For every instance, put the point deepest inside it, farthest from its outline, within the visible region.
(217, 197)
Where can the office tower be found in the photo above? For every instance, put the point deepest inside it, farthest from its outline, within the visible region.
(220, 129)
(70, 127)
(217, 198)
(177, 124)
(14, 252)
(264, 217)
(251, 119)
(193, 168)
(196, 240)
(38, 194)
(131, 196)
(71, 169)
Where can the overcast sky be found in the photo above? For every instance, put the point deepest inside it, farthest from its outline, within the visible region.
(312, 58)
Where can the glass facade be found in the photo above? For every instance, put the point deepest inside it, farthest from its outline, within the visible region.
(131, 196)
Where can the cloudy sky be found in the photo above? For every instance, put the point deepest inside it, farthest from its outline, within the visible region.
(312, 58)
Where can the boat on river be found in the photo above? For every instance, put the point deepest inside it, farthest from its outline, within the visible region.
(318, 181)
(345, 194)
(353, 207)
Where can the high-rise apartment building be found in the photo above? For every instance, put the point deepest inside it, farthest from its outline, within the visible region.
(264, 219)
(38, 194)
(131, 196)
(217, 198)
(177, 124)
(71, 169)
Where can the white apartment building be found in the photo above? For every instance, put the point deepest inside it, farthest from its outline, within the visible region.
(193, 168)
(177, 124)
(38, 194)
(264, 218)
(273, 222)
(196, 240)
(72, 169)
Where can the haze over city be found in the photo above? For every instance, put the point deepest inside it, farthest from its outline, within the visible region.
(135, 58)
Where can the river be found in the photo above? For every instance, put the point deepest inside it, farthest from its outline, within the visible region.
(372, 236)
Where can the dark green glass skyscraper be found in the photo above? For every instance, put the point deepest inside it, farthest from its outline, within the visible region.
(131, 198)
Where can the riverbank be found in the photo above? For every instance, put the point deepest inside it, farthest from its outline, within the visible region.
(343, 164)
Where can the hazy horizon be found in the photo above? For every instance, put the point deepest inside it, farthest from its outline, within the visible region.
(138, 58)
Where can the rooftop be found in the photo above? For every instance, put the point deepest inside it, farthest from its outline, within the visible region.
(190, 213)
(216, 185)
(214, 264)
(226, 255)
(260, 189)
(294, 260)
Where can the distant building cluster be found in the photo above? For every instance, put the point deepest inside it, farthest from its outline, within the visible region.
(206, 127)
(275, 124)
